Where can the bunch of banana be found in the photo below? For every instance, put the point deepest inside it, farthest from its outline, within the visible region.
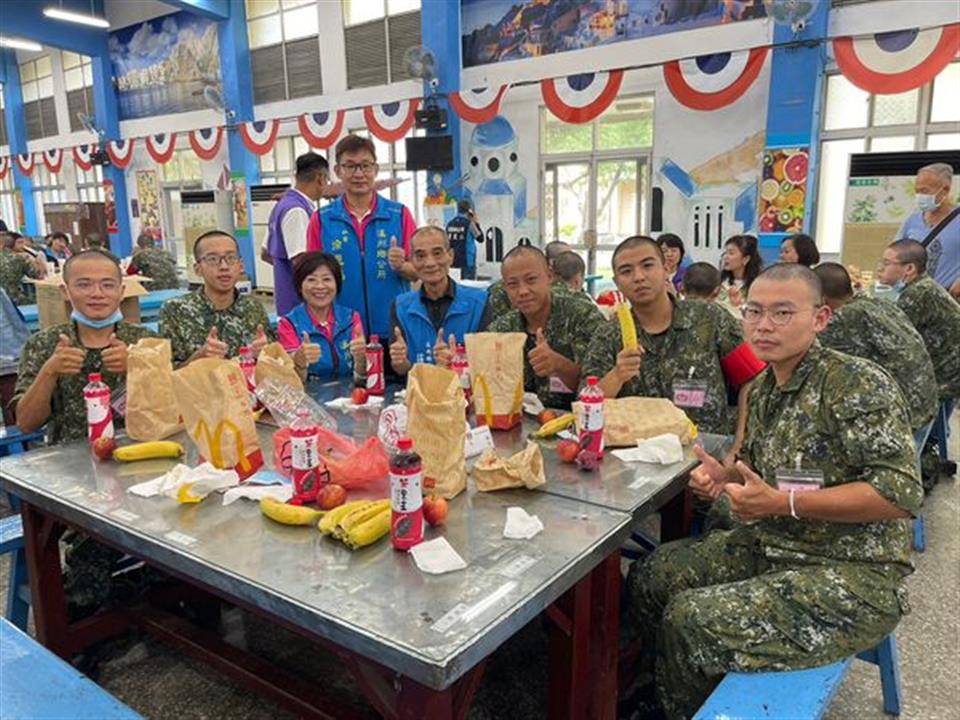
(148, 451)
(287, 514)
(552, 427)
(359, 523)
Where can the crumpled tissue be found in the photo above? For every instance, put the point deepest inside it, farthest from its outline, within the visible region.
(345, 404)
(186, 484)
(521, 525)
(663, 449)
(437, 557)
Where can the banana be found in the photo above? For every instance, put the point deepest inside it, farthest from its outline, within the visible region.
(287, 514)
(358, 517)
(148, 451)
(551, 428)
(369, 531)
(329, 522)
(628, 328)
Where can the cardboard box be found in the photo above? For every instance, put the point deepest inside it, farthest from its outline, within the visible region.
(53, 309)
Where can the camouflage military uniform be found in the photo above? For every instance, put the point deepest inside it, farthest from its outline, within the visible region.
(569, 328)
(878, 330)
(158, 265)
(936, 316)
(187, 321)
(13, 267)
(780, 593)
(701, 334)
(68, 415)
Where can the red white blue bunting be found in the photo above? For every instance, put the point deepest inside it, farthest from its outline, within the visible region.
(710, 82)
(391, 121)
(477, 106)
(898, 61)
(4, 166)
(53, 159)
(161, 146)
(121, 152)
(321, 129)
(25, 163)
(581, 98)
(260, 135)
(206, 142)
(81, 156)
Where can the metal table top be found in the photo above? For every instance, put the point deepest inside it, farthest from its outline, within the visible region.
(373, 601)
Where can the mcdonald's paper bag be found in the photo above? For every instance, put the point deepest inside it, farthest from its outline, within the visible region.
(152, 412)
(275, 363)
(524, 469)
(437, 425)
(628, 420)
(215, 405)
(496, 368)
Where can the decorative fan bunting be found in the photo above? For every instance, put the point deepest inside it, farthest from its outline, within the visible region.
(121, 151)
(259, 136)
(161, 147)
(322, 129)
(391, 121)
(4, 166)
(581, 98)
(81, 156)
(477, 106)
(206, 142)
(25, 163)
(53, 159)
(710, 82)
(898, 61)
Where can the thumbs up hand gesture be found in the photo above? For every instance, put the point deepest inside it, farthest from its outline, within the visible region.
(259, 340)
(307, 354)
(395, 256)
(443, 350)
(213, 347)
(708, 479)
(754, 500)
(543, 359)
(66, 359)
(114, 356)
(398, 352)
(358, 347)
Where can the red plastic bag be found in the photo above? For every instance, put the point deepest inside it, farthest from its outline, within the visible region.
(367, 465)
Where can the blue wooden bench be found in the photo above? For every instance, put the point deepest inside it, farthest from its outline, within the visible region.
(37, 685)
(798, 694)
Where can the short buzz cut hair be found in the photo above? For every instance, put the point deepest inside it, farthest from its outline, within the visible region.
(942, 170)
(835, 280)
(632, 242)
(554, 249)
(526, 250)
(430, 230)
(309, 165)
(209, 234)
(568, 265)
(911, 252)
(701, 280)
(145, 240)
(787, 272)
(354, 143)
(92, 254)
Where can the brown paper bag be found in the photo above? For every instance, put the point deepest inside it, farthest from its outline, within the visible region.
(437, 424)
(215, 405)
(152, 412)
(496, 368)
(274, 362)
(525, 469)
(628, 419)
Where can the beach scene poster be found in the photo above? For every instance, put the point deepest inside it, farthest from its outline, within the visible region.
(165, 65)
(501, 30)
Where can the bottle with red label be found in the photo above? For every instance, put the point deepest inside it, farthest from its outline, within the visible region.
(461, 366)
(375, 383)
(591, 418)
(305, 458)
(96, 396)
(406, 496)
(248, 364)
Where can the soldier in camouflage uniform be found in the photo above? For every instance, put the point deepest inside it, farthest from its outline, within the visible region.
(810, 577)
(880, 331)
(558, 324)
(214, 321)
(498, 302)
(13, 268)
(684, 344)
(155, 263)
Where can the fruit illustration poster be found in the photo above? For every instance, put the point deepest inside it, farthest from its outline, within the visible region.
(148, 195)
(783, 189)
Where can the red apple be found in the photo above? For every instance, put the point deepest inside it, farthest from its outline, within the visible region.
(359, 396)
(103, 447)
(434, 509)
(567, 450)
(331, 496)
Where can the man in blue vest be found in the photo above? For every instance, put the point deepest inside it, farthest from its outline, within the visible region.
(464, 233)
(368, 234)
(287, 227)
(429, 323)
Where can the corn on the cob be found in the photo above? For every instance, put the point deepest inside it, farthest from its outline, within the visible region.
(329, 521)
(552, 427)
(358, 517)
(369, 531)
(628, 330)
(148, 451)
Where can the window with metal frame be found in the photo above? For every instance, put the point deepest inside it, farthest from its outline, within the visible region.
(39, 111)
(279, 165)
(78, 83)
(284, 49)
(47, 188)
(377, 33)
(90, 184)
(8, 202)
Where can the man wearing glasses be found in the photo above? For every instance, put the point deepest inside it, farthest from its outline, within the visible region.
(368, 234)
(814, 573)
(216, 320)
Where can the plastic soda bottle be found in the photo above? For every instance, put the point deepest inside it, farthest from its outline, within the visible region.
(304, 458)
(406, 496)
(591, 419)
(248, 364)
(375, 384)
(461, 366)
(96, 396)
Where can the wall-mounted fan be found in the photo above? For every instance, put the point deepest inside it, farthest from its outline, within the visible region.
(213, 97)
(421, 63)
(90, 124)
(794, 13)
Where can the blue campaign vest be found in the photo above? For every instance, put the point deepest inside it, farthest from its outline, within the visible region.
(334, 361)
(369, 285)
(463, 316)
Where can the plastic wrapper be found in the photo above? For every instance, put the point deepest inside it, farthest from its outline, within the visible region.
(283, 401)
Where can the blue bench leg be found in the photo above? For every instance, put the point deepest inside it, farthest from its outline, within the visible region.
(884, 656)
(919, 534)
(18, 607)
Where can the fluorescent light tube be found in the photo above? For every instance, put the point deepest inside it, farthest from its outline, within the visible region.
(61, 14)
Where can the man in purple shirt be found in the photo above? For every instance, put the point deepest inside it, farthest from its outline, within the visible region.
(287, 227)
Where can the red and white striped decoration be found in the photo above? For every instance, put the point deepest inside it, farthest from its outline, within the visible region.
(391, 121)
(260, 135)
(581, 98)
(710, 82)
(477, 106)
(322, 129)
(161, 146)
(121, 152)
(206, 142)
(25, 163)
(4, 166)
(53, 159)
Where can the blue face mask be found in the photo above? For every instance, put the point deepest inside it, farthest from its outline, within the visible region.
(82, 319)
